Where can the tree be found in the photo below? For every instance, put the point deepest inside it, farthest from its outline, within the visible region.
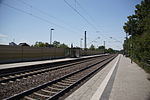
(92, 47)
(39, 44)
(56, 44)
(110, 50)
(138, 27)
(101, 47)
(136, 23)
(46, 44)
(63, 46)
(71, 45)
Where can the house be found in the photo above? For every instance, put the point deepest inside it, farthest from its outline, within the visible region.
(24, 44)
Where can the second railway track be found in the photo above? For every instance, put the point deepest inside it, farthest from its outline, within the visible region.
(55, 87)
(24, 74)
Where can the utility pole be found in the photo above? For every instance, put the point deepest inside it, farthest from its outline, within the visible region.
(85, 41)
(131, 47)
(104, 46)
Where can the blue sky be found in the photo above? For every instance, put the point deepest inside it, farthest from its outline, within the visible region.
(31, 20)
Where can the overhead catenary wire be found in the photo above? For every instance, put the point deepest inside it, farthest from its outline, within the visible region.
(104, 35)
(42, 12)
(35, 16)
(37, 9)
(23, 11)
(97, 28)
(81, 14)
(77, 3)
(47, 14)
(85, 19)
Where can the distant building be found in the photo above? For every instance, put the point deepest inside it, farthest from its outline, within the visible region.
(24, 44)
(12, 44)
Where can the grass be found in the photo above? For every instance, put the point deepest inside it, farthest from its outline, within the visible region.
(143, 65)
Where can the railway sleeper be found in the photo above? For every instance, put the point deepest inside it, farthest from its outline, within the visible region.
(27, 73)
(11, 76)
(68, 82)
(17, 75)
(41, 95)
(3, 83)
(73, 78)
(58, 86)
(46, 92)
(54, 89)
(28, 98)
(37, 96)
(11, 81)
(63, 83)
(5, 77)
(23, 74)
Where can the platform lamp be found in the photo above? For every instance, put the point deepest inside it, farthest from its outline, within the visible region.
(51, 35)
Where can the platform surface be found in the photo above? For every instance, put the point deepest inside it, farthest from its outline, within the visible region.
(131, 82)
(21, 64)
(117, 81)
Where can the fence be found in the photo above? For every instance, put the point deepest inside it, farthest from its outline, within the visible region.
(23, 53)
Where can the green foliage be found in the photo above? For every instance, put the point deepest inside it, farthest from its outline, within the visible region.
(55, 44)
(92, 47)
(136, 23)
(110, 50)
(137, 46)
(63, 46)
(41, 44)
(101, 47)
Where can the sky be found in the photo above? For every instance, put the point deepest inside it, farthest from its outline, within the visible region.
(31, 20)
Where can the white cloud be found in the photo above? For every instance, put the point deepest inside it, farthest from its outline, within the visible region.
(3, 36)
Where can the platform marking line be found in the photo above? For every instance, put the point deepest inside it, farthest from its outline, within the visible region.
(97, 95)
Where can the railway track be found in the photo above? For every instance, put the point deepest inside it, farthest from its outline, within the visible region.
(25, 74)
(11, 71)
(54, 89)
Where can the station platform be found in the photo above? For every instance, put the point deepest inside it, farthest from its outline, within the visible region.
(22, 64)
(119, 80)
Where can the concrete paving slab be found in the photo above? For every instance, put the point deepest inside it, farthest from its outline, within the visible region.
(87, 90)
(130, 83)
(104, 88)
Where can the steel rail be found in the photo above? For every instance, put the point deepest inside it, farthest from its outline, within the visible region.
(30, 91)
(9, 71)
(56, 96)
(40, 71)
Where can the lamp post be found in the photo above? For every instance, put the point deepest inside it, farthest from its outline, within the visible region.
(131, 47)
(81, 43)
(85, 41)
(51, 36)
